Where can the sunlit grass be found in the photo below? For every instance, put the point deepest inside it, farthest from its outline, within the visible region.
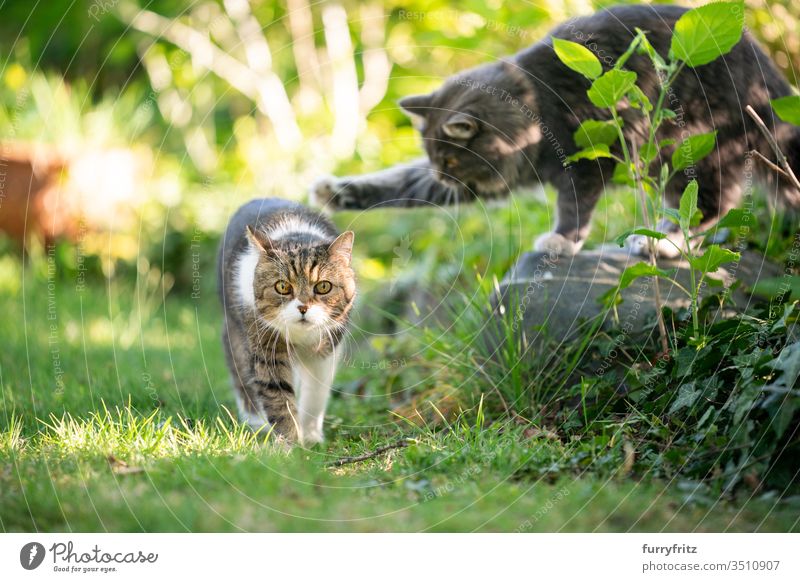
(126, 434)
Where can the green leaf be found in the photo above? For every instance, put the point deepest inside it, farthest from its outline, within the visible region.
(622, 175)
(735, 217)
(788, 108)
(639, 100)
(788, 362)
(688, 206)
(672, 215)
(593, 153)
(778, 286)
(593, 133)
(638, 270)
(578, 58)
(687, 396)
(714, 257)
(620, 240)
(693, 149)
(705, 33)
(608, 89)
(648, 152)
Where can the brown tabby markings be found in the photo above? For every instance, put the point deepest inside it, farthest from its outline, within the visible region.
(281, 348)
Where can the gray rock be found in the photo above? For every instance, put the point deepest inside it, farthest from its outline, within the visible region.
(555, 297)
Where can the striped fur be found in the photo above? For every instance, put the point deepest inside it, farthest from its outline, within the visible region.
(282, 330)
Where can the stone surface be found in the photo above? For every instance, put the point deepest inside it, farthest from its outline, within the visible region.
(554, 297)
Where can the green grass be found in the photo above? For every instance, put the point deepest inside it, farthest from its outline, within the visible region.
(115, 417)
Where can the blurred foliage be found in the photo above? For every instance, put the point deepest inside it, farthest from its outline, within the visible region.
(80, 76)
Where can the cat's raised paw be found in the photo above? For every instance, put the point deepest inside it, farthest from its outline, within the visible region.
(556, 244)
(329, 194)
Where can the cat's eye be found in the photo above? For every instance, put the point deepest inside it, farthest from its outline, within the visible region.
(283, 287)
(323, 287)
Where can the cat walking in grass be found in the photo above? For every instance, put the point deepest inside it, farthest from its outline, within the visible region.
(287, 288)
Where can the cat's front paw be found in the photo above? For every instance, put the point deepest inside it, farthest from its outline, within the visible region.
(329, 193)
(639, 245)
(557, 244)
(312, 437)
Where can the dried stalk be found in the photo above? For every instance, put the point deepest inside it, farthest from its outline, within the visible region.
(773, 143)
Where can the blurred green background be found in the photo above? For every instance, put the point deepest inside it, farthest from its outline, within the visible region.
(129, 132)
(147, 125)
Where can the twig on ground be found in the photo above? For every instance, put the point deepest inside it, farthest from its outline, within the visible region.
(399, 444)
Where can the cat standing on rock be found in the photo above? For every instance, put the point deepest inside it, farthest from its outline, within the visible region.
(510, 124)
(287, 288)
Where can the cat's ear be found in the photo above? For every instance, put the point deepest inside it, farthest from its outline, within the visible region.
(258, 239)
(460, 126)
(417, 108)
(342, 247)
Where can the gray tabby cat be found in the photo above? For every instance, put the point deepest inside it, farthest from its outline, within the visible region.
(287, 289)
(510, 123)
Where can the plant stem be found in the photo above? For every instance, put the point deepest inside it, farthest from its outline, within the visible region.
(693, 281)
(651, 251)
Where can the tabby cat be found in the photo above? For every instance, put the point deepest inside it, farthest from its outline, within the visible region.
(287, 289)
(509, 124)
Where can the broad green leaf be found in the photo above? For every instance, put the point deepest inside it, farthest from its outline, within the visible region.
(707, 32)
(612, 86)
(693, 149)
(778, 286)
(788, 108)
(736, 217)
(687, 396)
(620, 240)
(578, 58)
(593, 133)
(592, 153)
(688, 205)
(672, 215)
(633, 272)
(622, 175)
(714, 257)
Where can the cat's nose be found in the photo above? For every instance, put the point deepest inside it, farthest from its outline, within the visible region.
(450, 163)
(302, 309)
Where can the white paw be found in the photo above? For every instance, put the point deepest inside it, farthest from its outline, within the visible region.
(638, 244)
(311, 437)
(556, 244)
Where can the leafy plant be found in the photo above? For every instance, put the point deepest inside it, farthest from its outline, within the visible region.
(701, 35)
